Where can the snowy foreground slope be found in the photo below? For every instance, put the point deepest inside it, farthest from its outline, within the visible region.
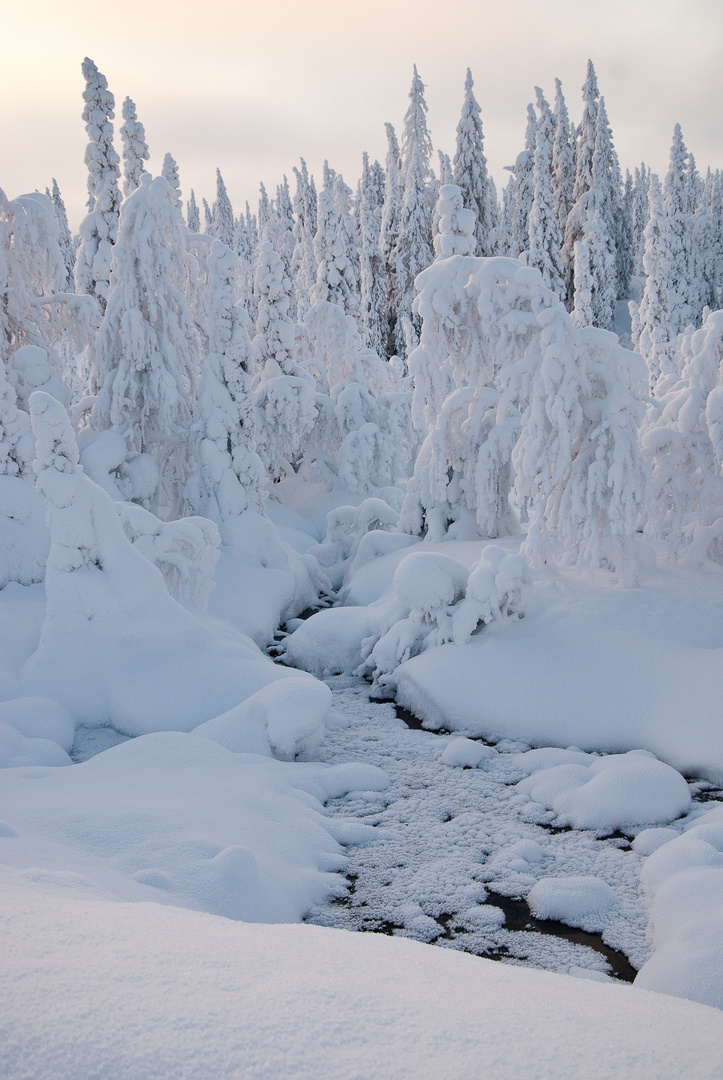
(140, 991)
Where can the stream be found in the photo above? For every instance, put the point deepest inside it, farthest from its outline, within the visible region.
(455, 851)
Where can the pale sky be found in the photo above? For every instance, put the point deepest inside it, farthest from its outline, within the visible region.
(252, 87)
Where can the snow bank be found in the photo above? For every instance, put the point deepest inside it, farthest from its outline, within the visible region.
(466, 753)
(602, 668)
(159, 992)
(609, 793)
(179, 819)
(684, 880)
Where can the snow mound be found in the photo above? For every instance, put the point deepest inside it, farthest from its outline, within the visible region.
(178, 819)
(283, 719)
(39, 718)
(16, 749)
(467, 753)
(619, 791)
(575, 900)
(684, 880)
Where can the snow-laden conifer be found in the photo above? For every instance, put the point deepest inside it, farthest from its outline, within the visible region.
(98, 231)
(545, 236)
(652, 333)
(470, 166)
(303, 262)
(65, 240)
(207, 218)
(524, 188)
(169, 172)
(229, 477)
(336, 280)
(148, 349)
(563, 160)
(641, 214)
(135, 148)
(193, 216)
(373, 277)
(223, 221)
(413, 250)
(34, 308)
(389, 234)
(274, 343)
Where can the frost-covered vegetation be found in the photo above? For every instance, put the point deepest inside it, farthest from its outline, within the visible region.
(464, 454)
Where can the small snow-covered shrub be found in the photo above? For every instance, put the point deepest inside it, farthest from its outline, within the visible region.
(436, 601)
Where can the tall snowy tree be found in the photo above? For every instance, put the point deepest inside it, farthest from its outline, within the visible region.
(169, 172)
(651, 324)
(336, 280)
(192, 214)
(64, 238)
(470, 166)
(373, 277)
(523, 171)
(545, 236)
(135, 148)
(389, 232)
(303, 262)
(223, 222)
(563, 161)
(148, 349)
(230, 477)
(678, 224)
(414, 242)
(99, 230)
(641, 214)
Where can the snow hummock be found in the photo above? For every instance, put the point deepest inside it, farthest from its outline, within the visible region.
(576, 900)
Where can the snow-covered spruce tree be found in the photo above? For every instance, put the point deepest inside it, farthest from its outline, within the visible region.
(65, 240)
(284, 227)
(193, 216)
(303, 261)
(169, 172)
(523, 171)
(207, 218)
(707, 243)
(363, 439)
(563, 161)
(335, 278)
(229, 477)
(264, 215)
(373, 276)
(470, 167)
(650, 323)
(223, 221)
(545, 235)
(350, 233)
(413, 251)
(135, 147)
(625, 243)
(683, 443)
(98, 231)
(274, 343)
(285, 396)
(678, 226)
(389, 230)
(560, 404)
(34, 309)
(446, 172)
(23, 534)
(148, 348)
(641, 215)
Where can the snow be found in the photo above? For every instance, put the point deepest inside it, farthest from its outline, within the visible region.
(574, 900)
(157, 991)
(466, 752)
(615, 792)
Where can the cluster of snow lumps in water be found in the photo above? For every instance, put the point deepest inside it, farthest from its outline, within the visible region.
(433, 599)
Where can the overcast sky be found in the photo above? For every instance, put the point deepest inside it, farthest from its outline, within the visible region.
(251, 87)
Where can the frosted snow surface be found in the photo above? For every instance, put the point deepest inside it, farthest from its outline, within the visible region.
(159, 992)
